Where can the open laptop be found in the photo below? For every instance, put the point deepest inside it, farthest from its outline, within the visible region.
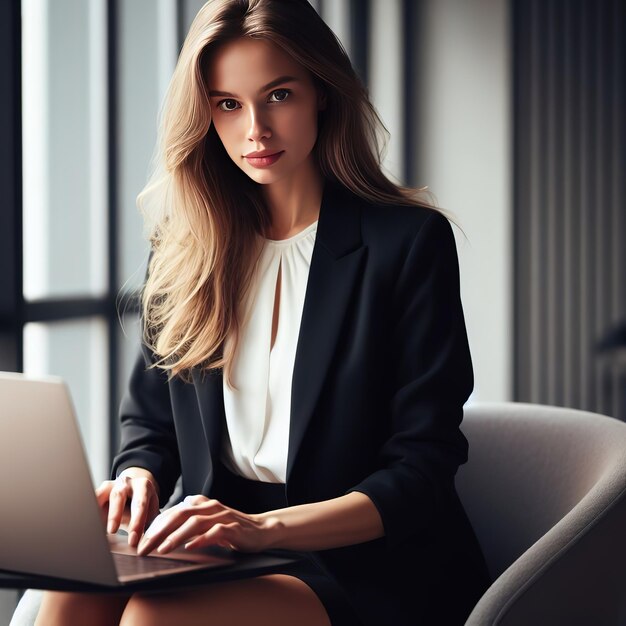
(50, 521)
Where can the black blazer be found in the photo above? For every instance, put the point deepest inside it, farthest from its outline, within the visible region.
(382, 371)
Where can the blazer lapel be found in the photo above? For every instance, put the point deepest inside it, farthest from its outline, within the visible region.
(210, 397)
(337, 257)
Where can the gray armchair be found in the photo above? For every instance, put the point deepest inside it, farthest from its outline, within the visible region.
(545, 491)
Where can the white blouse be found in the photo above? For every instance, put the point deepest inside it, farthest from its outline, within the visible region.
(256, 439)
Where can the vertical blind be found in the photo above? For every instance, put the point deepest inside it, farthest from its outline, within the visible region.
(570, 217)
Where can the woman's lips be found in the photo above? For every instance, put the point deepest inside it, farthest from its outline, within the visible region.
(264, 161)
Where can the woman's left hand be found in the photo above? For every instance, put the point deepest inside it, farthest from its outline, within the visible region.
(199, 522)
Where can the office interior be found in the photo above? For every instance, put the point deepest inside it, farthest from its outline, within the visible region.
(511, 112)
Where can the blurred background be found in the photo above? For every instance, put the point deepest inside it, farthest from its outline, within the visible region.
(510, 111)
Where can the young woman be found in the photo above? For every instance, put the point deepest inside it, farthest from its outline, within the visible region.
(305, 360)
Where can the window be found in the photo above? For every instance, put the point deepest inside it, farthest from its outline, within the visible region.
(92, 76)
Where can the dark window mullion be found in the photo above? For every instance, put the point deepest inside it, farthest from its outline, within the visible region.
(409, 101)
(113, 223)
(59, 309)
(181, 23)
(11, 300)
(360, 25)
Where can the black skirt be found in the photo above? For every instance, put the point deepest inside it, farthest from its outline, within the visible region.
(253, 496)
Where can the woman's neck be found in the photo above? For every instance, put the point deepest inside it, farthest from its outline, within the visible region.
(293, 205)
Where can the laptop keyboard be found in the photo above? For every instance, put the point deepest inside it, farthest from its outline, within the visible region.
(128, 565)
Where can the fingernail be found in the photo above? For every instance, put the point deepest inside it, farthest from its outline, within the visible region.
(133, 538)
(166, 546)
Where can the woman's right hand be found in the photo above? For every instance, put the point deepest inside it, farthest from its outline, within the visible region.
(131, 500)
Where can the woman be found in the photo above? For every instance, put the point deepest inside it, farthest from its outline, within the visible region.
(305, 359)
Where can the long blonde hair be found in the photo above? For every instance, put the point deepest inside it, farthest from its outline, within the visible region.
(203, 213)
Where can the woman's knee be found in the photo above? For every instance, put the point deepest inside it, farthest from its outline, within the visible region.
(152, 609)
(62, 608)
(267, 600)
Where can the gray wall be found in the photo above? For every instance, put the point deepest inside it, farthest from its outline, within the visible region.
(464, 147)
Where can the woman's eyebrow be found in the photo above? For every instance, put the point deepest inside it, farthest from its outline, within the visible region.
(277, 81)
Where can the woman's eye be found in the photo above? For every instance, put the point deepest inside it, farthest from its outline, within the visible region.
(227, 105)
(279, 95)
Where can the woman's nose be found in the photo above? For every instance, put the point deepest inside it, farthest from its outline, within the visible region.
(258, 127)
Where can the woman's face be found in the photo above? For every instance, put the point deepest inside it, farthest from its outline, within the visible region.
(263, 101)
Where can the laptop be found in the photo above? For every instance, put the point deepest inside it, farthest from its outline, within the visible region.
(50, 522)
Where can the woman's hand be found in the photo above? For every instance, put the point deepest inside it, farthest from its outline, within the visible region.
(132, 500)
(199, 522)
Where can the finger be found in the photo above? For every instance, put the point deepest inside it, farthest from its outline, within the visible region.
(162, 525)
(197, 500)
(224, 535)
(102, 498)
(103, 491)
(172, 519)
(141, 505)
(117, 502)
(193, 527)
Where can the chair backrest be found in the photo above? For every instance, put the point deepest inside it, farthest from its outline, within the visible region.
(544, 490)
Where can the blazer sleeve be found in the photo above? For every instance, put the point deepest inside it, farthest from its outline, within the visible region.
(432, 380)
(148, 437)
